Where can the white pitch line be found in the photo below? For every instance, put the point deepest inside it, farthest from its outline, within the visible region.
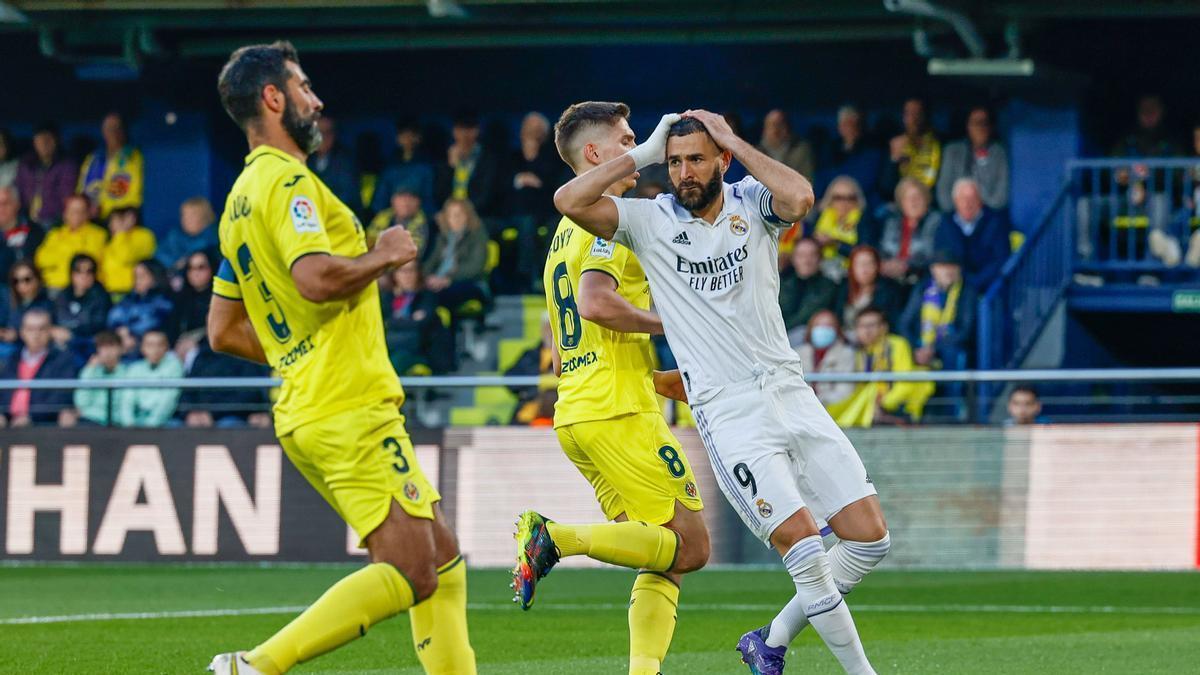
(576, 607)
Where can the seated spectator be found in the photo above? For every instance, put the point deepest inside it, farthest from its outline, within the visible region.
(223, 408)
(410, 167)
(455, 268)
(778, 143)
(864, 287)
(852, 155)
(76, 235)
(979, 156)
(906, 241)
(112, 177)
(803, 289)
(19, 236)
(334, 165)
(825, 351)
(535, 405)
(193, 298)
(195, 233)
(842, 223)
(150, 407)
(92, 406)
(535, 171)
(81, 310)
(916, 153)
(147, 307)
(404, 210)
(25, 292)
(8, 159)
(37, 359)
(882, 402)
(470, 171)
(1024, 407)
(45, 178)
(939, 320)
(129, 243)
(417, 341)
(974, 235)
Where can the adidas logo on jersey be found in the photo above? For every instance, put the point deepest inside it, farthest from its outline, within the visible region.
(682, 238)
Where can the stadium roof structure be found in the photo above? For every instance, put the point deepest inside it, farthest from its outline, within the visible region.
(956, 37)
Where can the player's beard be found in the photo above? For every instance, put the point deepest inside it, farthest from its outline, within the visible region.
(304, 131)
(697, 201)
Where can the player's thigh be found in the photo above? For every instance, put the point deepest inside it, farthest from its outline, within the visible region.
(831, 475)
(749, 456)
(606, 495)
(366, 461)
(860, 521)
(643, 461)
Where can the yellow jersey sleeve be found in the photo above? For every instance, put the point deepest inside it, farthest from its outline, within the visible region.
(605, 256)
(225, 283)
(297, 228)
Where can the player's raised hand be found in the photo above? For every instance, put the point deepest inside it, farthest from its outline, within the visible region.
(717, 127)
(397, 244)
(654, 149)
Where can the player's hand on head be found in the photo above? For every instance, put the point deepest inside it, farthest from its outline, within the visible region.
(397, 244)
(654, 149)
(716, 125)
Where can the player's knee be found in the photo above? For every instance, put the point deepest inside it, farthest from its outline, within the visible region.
(424, 581)
(692, 556)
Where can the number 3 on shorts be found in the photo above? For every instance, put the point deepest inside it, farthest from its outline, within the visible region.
(393, 446)
(670, 456)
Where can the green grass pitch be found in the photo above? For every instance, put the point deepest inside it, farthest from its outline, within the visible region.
(911, 622)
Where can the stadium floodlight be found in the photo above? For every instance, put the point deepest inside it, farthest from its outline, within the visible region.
(982, 67)
(10, 14)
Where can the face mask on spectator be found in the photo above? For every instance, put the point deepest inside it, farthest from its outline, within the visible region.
(823, 336)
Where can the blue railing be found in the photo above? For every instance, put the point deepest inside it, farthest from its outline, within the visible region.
(1014, 309)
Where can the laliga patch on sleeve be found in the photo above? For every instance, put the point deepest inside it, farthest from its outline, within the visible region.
(304, 215)
(602, 248)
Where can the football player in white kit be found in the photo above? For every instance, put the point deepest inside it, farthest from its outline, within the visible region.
(710, 250)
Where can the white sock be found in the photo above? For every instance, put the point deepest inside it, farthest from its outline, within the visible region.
(849, 562)
(820, 603)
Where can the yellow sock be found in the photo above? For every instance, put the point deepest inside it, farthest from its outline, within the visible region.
(628, 544)
(652, 614)
(439, 624)
(343, 613)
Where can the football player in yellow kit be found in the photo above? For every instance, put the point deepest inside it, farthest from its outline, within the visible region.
(297, 290)
(608, 418)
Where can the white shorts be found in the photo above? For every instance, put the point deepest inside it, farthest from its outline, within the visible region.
(775, 450)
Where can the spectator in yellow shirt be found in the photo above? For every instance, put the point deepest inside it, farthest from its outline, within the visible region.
(880, 351)
(76, 235)
(916, 153)
(129, 243)
(112, 177)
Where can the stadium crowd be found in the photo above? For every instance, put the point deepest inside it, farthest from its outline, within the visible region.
(884, 275)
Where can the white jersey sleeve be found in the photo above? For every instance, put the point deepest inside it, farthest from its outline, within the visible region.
(760, 198)
(634, 217)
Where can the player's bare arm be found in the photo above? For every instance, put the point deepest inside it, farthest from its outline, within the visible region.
(669, 384)
(600, 303)
(322, 278)
(582, 199)
(791, 194)
(230, 331)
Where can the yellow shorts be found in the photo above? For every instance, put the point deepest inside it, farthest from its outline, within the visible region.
(360, 460)
(635, 464)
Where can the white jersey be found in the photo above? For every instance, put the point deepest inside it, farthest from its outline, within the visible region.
(716, 286)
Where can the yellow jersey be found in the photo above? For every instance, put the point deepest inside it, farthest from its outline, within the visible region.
(605, 373)
(332, 356)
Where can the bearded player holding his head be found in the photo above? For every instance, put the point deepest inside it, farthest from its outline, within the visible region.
(297, 291)
(608, 418)
(710, 252)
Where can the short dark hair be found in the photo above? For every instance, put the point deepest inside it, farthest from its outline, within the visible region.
(1023, 389)
(248, 70)
(871, 309)
(107, 338)
(687, 126)
(83, 257)
(581, 116)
